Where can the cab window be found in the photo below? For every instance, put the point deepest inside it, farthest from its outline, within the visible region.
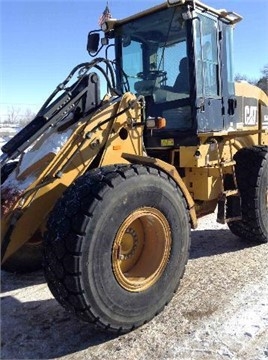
(206, 58)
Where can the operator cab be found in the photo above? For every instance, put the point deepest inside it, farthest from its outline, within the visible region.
(179, 59)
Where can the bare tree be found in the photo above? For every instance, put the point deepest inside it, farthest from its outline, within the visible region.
(263, 82)
(240, 77)
(13, 115)
(27, 117)
(16, 117)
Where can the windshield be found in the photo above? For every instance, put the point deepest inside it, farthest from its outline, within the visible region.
(154, 59)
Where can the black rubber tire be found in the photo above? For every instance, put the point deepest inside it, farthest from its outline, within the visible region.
(252, 180)
(81, 231)
(27, 259)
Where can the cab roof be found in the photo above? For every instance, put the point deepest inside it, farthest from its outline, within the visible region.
(229, 16)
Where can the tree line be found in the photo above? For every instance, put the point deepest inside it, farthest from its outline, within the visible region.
(262, 82)
(16, 116)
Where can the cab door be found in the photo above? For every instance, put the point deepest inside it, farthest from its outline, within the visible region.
(209, 104)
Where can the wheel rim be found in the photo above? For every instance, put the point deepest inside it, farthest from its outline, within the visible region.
(141, 249)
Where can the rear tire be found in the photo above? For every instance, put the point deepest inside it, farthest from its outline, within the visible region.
(252, 179)
(117, 245)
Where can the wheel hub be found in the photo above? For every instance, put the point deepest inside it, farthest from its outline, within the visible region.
(141, 249)
(129, 244)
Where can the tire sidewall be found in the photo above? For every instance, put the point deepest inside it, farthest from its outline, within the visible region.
(101, 287)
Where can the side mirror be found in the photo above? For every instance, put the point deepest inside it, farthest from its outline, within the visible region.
(93, 43)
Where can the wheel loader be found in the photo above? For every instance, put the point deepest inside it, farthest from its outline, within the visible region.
(103, 187)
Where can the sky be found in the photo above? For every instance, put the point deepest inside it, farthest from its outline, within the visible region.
(42, 40)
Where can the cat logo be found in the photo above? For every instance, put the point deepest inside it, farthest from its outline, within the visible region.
(251, 113)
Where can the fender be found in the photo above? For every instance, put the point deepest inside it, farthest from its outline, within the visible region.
(172, 172)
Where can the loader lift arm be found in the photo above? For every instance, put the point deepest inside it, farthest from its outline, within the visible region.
(76, 108)
(82, 96)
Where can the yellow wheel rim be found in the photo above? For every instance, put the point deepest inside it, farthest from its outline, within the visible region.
(141, 249)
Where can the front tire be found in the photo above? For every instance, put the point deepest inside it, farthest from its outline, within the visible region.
(117, 245)
(252, 180)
